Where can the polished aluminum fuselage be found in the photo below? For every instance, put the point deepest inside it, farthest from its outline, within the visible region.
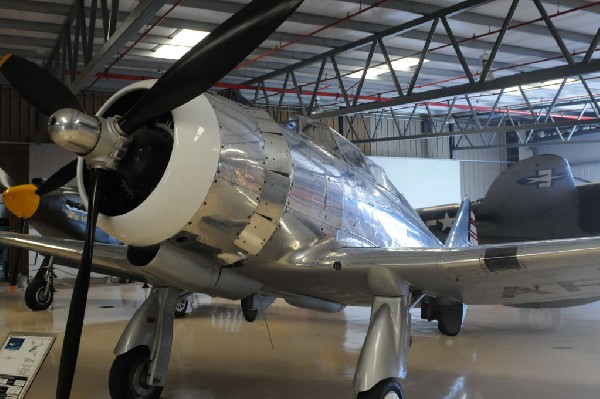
(277, 200)
(283, 198)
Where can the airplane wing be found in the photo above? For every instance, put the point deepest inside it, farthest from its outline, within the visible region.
(108, 258)
(508, 274)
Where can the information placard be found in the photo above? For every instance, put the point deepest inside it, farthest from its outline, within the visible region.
(21, 357)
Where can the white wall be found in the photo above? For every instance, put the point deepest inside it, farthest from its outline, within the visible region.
(424, 182)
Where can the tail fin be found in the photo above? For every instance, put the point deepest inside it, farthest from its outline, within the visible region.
(463, 232)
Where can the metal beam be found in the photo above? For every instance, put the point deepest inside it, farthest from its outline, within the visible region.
(141, 14)
(488, 130)
(496, 84)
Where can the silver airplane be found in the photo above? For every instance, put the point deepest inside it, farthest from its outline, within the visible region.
(214, 197)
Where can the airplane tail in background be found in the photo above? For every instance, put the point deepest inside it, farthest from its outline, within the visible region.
(533, 199)
(534, 185)
(463, 232)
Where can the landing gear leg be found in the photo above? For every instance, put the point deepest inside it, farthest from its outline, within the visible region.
(39, 293)
(384, 356)
(140, 369)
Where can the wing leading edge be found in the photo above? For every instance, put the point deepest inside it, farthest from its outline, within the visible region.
(507, 274)
(108, 258)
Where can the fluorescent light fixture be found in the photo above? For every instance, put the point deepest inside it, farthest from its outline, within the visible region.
(402, 64)
(550, 84)
(555, 83)
(514, 90)
(372, 73)
(180, 44)
(188, 37)
(171, 52)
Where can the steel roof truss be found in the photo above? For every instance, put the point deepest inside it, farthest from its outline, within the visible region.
(499, 39)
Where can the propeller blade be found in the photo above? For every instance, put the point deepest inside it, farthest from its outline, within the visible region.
(210, 60)
(70, 350)
(5, 180)
(60, 178)
(36, 85)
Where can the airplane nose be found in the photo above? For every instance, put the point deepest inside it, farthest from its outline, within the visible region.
(74, 130)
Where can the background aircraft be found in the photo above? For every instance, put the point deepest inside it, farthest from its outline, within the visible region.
(263, 210)
(535, 199)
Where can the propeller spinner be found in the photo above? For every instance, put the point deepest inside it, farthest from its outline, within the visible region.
(103, 142)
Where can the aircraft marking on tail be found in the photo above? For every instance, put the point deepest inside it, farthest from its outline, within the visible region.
(473, 238)
(543, 178)
(446, 222)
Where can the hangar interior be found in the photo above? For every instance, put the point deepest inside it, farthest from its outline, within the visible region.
(484, 83)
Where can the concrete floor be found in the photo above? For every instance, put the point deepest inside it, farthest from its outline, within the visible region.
(500, 353)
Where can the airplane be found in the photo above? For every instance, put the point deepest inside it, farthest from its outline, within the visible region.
(534, 199)
(263, 211)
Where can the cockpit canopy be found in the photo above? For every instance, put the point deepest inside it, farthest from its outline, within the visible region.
(330, 140)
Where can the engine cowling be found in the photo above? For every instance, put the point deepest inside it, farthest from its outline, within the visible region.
(221, 192)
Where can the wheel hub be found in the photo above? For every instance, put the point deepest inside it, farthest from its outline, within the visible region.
(138, 383)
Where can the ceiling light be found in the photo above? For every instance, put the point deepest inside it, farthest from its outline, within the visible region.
(555, 83)
(514, 90)
(179, 44)
(404, 64)
(171, 52)
(401, 64)
(188, 37)
(372, 73)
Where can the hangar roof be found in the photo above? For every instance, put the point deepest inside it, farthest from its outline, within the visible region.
(532, 59)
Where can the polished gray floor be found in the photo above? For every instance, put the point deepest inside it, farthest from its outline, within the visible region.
(501, 352)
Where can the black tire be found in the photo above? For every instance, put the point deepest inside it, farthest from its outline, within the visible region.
(35, 299)
(450, 319)
(126, 378)
(249, 314)
(181, 308)
(385, 389)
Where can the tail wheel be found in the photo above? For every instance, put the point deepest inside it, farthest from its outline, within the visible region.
(128, 376)
(385, 389)
(36, 297)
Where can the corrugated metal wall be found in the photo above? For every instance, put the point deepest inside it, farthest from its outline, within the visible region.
(387, 127)
(476, 177)
(583, 158)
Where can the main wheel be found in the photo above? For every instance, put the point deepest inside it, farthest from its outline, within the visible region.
(385, 389)
(127, 378)
(181, 308)
(35, 296)
(450, 319)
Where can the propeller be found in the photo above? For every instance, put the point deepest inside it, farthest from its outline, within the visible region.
(37, 86)
(103, 142)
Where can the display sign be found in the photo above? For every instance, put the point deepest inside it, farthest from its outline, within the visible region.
(21, 357)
